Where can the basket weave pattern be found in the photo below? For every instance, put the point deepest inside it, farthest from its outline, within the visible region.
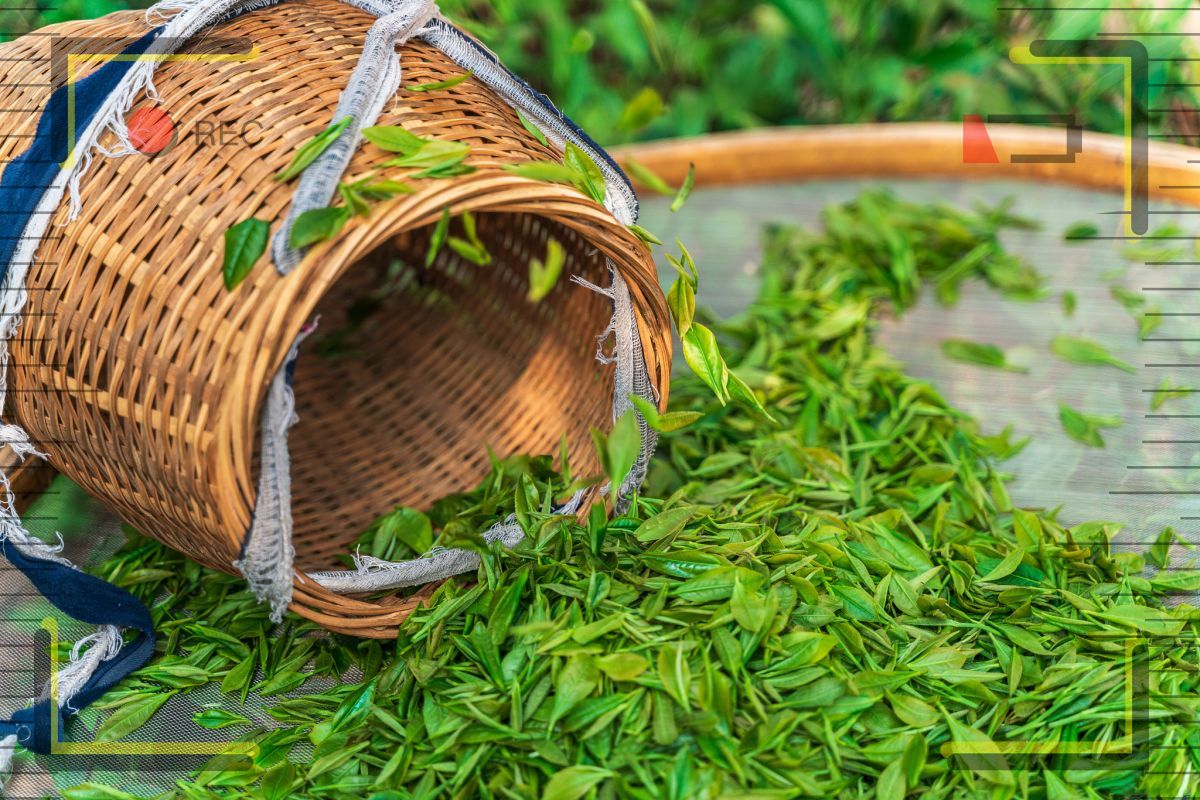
(142, 377)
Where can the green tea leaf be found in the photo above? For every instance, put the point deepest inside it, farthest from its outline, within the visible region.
(130, 716)
(575, 681)
(394, 139)
(406, 525)
(529, 126)
(587, 175)
(545, 171)
(647, 177)
(470, 251)
(1154, 621)
(1167, 390)
(279, 782)
(1085, 428)
(217, 718)
(1086, 351)
(354, 200)
(891, 785)
(685, 191)
(435, 154)
(245, 243)
(1080, 231)
(449, 83)
(681, 301)
(643, 234)
(317, 225)
(1069, 303)
(1159, 552)
(238, 677)
(664, 524)
(663, 423)
(383, 189)
(575, 782)
(701, 354)
(642, 109)
(1007, 566)
(622, 666)
(96, 791)
(310, 150)
(441, 232)
(987, 355)
(675, 674)
(618, 451)
(543, 275)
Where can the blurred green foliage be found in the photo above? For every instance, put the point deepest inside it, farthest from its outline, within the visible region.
(636, 69)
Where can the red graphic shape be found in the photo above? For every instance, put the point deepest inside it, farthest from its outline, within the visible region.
(977, 145)
(150, 130)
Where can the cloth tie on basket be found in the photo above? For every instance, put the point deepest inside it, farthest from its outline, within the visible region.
(34, 185)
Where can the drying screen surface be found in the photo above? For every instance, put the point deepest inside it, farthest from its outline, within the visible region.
(1144, 477)
(721, 228)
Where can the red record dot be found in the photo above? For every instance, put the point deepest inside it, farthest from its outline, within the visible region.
(150, 130)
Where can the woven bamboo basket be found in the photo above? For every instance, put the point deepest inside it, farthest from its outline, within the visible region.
(142, 377)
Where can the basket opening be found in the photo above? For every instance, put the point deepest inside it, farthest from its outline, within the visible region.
(413, 372)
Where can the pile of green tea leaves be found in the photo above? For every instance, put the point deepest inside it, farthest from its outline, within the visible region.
(825, 604)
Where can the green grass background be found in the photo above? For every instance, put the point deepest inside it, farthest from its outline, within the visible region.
(644, 69)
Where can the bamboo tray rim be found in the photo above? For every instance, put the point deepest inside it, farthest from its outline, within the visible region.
(914, 150)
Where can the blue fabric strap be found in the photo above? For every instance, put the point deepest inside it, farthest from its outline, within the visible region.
(87, 599)
(77, 594)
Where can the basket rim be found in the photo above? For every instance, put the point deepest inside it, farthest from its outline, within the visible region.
(486, 191)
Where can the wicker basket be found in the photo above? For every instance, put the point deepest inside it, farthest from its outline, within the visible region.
(142, 377)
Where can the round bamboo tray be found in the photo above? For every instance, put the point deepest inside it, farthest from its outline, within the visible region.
(915, 150)
(143, 378)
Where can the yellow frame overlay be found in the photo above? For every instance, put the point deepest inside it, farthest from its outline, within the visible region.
(249, 749)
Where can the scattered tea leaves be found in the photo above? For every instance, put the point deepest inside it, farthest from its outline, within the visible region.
(815, 607)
